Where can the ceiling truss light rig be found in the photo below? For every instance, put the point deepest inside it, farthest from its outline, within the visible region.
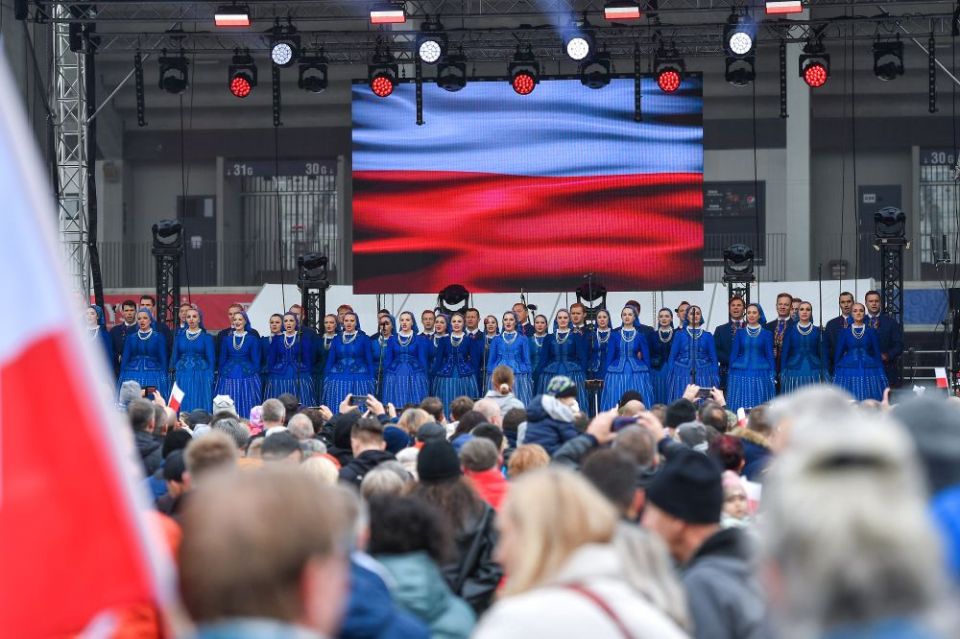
(312, 76)
(668, 69)
(452, 72)
(815, 64)
(888, 59)
(595, 73)
(431, 42)
(579, 42)
(382, 73)
(284, 45)
(524, 71)
(173, 73)
(242, 74)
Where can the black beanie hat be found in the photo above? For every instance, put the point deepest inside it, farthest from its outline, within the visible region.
(438, 461)
(689, 487)
(680, 412)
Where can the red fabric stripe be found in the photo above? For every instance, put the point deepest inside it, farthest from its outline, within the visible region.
(418, 231)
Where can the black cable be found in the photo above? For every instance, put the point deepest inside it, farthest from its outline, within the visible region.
(756, 192)
(853, 153)
(843, 174)
(276, 190)
(183, 199)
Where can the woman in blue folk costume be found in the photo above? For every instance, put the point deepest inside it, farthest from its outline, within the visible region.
(802, 355)
(288, 363)
(405, 365)
(540, 324)
(599, 339)
(857, 364)
(660, 343)
(455, 366)
(239, 366)
(97, 333)
(194, 361)
(378, 349)
(512, 349)
(693, 357)
(628, 365)
(276, 328)
(145, 356)
(440, 332)
(752, 366)
(491, 328)
(321, 347)
(350, 367)
(564, 353)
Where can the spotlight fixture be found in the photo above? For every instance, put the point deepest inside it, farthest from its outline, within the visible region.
(235, 15)
(738, 262)
(382, 73)
(889, 222)
(815, 64)
(784, 7)
(668, 69)
(284, 45)
(595, 73)
(452, 72)
(173, 73)
(739, 35)
(242, 75)
(888, 59)
(524, 71)
(313, 73)
(431, 43)
(740, 71)
(621, 11)
(578, 43)
(388, 13)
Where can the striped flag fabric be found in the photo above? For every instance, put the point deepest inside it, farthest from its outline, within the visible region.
(942, 381)
(71, 518)
(176, 398)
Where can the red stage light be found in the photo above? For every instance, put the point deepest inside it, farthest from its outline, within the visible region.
(815, 75)
(669, 80)
(523, 83)
(240, 86)
(381, 85)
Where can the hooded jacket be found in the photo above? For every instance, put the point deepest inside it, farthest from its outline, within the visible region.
(756, 453)
(420, 589)
(549, 423)
(150, 449)
(371, 612)
(359, 466)
(490, 485)
(725, 598)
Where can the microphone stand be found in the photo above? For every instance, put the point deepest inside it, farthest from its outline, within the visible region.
(380, 363)
(823, 376)
(483, 370)
(695, 337)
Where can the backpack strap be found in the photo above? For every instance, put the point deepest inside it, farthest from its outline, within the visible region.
(582, 590)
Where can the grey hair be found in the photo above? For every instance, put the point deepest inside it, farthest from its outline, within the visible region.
(231, 426)
(301, 427)
(386, 480)
(312, 447)
(846, 524)
(273, 410)
(479, 454)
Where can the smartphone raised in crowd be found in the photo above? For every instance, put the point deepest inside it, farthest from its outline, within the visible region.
(358, 400)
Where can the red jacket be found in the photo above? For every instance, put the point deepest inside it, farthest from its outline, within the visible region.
(490, 485)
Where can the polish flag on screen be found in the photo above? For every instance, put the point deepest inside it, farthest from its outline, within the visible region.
(75, 546)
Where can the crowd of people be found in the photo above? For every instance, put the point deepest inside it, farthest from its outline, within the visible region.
(457, 354)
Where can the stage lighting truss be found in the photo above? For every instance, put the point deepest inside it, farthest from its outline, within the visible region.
(173, 73)
(382, 73)
(739, 36)
(431, 42)
(242, 74)
(284, 45)
(524, 71)
(595, 73)
(579, 42)
(312, 76)
(815, 64)
(888, 59)
(452, 72)
(668, 69)
(738, 263)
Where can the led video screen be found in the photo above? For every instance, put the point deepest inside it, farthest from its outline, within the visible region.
(497, 191)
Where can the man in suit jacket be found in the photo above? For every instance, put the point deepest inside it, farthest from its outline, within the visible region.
(644, 329)
(780, 325)
(837, 324)
(523, 319)
(723, 336)
(119, 333)
(889, 332)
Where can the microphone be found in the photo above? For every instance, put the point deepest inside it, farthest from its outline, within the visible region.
(912, 358)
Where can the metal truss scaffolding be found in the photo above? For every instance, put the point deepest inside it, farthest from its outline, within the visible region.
(70, 110)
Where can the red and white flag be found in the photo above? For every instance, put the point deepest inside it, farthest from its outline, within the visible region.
(72, 519)
(942, 381)
(176, 398)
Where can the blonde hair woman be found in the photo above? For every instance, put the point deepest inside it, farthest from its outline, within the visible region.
(412, 419)
(566, 576)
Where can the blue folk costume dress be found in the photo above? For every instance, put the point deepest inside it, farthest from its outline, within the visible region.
(145, 358)
(194, 362)
(433, 340)
(564, 354)
(289, 367)
(101, 338)
(753, 369)
(660, 343)
(693, 359)
(857, 365)
(597, 359)
(239, 370)
(265, 342)
(405, 369)
(350, 368)
(628, 367)
(321, 349)
(513, 351)
(378, 350)
(455, 366)
(536, 348)
(802, 358)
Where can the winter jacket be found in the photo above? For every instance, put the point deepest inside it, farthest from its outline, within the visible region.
(359, 466)
(549, 423)
(372, 613)
(254, 628)
(556, 611)
(571, 453)
(756, 453)
(945, 508)
(490, 485)
(726, 601)
(505, 402)
(473, 574)
(151, 451)
(419, 588)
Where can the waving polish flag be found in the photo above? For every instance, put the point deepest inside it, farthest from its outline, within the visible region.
(71, 527)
